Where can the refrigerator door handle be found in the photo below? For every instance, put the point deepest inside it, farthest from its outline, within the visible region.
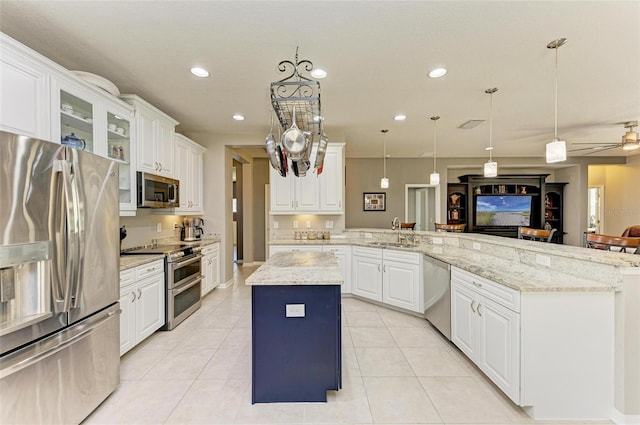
(72, 265)
(57, 227)
(80, 228)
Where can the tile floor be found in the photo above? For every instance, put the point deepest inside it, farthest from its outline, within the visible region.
(396, 370)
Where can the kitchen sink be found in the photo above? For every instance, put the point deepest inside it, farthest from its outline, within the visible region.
(391, 245)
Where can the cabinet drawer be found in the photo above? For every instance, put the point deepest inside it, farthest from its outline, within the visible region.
(507, 297)
(149, 269)
(367, 252)
(127, 277)
(338, 250)
(401, 256)
(209, 249)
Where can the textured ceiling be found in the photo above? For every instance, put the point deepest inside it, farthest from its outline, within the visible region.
(377, 55)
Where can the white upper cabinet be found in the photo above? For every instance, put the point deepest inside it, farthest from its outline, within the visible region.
(155, 137)
(24, 84)
(188, 170)
(312, 194)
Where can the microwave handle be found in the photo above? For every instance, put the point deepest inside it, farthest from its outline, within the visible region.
(173, 193)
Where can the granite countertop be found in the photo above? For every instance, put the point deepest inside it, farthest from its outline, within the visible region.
(131, 261)
(298, 268)
(512, 274)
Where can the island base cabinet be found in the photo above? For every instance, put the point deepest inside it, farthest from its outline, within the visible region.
(568, 354)
(296, 337)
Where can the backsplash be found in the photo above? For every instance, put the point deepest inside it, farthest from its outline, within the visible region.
(142, 228)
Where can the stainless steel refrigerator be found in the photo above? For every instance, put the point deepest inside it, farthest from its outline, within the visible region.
(59, 281)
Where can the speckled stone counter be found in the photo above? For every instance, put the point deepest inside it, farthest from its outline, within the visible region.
(298, 268)
(131, 261)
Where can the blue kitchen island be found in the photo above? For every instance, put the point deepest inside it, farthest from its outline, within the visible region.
(296, 328)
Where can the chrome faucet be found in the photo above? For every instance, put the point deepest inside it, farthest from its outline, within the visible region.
(395, 224)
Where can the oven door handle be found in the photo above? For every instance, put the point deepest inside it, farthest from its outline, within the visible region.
(186, 286)
(185, 262)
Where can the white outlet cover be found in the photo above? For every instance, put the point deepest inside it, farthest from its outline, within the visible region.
(437, 241)
(295, 224)
(159, 227)
(476, 246)
(328, 224)
(276, 224)
(543, 260)
(295, 310)
(308, 224)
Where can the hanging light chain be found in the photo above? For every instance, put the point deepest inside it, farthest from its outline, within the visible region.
(555, 44)
(384, 152)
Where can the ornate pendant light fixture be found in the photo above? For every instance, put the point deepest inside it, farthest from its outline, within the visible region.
(434, 178)
(490, 167)
(556, 149)
(384, 181)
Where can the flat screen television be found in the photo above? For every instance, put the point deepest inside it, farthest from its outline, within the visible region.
(502, 210)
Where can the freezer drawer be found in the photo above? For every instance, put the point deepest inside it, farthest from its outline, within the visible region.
(63, 378)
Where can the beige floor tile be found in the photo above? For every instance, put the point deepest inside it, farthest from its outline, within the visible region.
(346, 337)
(397, 319)
(215, 401)
(347, 406)
(378, 361)
(417, 337)
(140, 402)
(136, 363)
(353, 304)
(370, 319)
(432, 361)
(465, 400)
(350, 365)
(204, 339)
(228, 363)
(399, 400)
(180, 364)
(239, 338)
(371, 337)
(268, 413)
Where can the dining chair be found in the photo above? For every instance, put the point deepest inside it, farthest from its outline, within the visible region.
(411, 226)
(458, 228)
(612, 243)
(631, 232)
(531, 234)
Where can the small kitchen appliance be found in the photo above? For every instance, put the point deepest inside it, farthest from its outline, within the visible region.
(192, 229)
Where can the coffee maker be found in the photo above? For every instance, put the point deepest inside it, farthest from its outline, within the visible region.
(192, 229)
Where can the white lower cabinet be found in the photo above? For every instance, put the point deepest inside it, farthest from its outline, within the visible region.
(485, 325)
(211, 267)
(389, 276)
(343, 256)
(142, 296)
(366, 272)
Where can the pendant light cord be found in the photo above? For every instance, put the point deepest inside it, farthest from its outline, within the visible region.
(490, 126)
(555, 131)
(384, 152)
(435, 124)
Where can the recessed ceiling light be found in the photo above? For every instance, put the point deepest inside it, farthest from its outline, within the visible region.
(318, 73)
(400, 117)
(437, 72)
(238, 117)
(199, 72)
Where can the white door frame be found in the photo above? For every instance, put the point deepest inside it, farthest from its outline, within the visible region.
(420, 186)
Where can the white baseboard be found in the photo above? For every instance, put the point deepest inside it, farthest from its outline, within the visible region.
(227, 284)
(622, 419)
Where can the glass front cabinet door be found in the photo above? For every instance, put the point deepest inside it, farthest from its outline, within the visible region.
(89, 119)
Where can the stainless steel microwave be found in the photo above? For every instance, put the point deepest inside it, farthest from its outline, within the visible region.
(157, 191)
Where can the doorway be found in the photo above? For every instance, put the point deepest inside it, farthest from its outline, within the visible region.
(422, 205)
(237, 212)
(595, 209)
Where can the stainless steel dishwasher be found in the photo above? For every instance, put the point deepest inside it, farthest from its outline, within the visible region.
(437, 294)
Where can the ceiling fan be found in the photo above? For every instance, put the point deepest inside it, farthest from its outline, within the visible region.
(630, 141)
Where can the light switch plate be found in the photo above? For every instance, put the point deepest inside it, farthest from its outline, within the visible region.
(308, 224)
(476, 246)
(328, 224)
(276, 224)
(295, 310)
(159, 227)
(295, 224)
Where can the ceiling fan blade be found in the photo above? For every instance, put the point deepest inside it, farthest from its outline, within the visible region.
(601, 150)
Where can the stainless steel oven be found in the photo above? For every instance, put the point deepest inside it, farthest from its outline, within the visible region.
(183, 280)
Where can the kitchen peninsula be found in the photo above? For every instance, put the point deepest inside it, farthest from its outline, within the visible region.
(552, 326)
(296, 328)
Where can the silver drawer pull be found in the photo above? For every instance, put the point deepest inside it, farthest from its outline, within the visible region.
(479, 285)
(472, 303)
(479, 314)
(150, 269)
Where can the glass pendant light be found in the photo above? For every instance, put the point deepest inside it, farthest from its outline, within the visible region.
(556, 150)
(384, 181)
(490, 167)
(434, 178)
